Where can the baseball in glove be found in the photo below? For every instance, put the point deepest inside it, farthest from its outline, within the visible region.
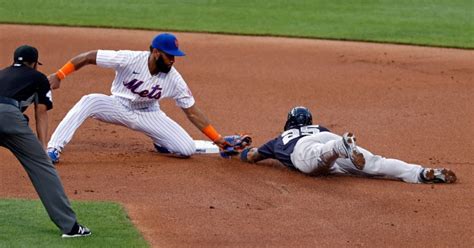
(236, 143)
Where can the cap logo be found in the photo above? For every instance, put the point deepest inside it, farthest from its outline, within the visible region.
(176, 43)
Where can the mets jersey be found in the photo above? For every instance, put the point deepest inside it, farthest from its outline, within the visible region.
(134, 82)
(282, 147)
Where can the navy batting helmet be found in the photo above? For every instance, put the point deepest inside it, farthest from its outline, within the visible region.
(298, 117)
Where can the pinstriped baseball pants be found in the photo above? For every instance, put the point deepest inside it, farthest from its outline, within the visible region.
(151, 121)
(308, 151)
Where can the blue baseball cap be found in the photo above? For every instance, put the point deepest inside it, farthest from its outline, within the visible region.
(167, 43)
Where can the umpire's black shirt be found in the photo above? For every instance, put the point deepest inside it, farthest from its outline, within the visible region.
(26, 85)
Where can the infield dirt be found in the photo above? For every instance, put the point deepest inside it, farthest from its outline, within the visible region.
(405, 102)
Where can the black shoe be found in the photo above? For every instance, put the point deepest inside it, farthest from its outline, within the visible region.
(161, 149)
(77, 231)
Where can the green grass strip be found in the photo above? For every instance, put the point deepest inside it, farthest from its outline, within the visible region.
(25, 223)
(447, 23)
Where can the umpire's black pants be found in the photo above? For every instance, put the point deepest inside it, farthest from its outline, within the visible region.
(17, 136)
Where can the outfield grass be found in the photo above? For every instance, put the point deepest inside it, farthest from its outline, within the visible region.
(424, 22)
(24, 223)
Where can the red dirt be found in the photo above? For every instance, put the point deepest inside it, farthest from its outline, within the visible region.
(406, 102)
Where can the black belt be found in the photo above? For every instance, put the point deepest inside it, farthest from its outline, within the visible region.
(8, 100)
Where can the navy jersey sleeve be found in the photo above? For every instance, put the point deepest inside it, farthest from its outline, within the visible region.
(279, 150)
(267, 150)
(323, 129)
(44, 91)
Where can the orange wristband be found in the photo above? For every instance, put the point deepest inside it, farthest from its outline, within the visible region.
(67, 69)
(210, 132)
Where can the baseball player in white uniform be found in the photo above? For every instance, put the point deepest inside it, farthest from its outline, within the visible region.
(142, 79)
(314, 150)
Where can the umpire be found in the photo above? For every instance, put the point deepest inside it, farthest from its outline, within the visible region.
(21, 85)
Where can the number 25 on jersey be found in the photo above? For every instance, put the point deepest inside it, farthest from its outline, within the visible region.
(294, 133)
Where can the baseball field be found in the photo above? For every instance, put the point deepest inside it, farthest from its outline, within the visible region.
(404, 85)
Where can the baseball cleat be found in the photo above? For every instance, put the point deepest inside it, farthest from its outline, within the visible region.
(77, 231)
(53, 154)
(352, 151)
(161, 149)
(439, 175)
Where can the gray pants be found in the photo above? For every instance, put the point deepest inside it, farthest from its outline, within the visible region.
(17, 136)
